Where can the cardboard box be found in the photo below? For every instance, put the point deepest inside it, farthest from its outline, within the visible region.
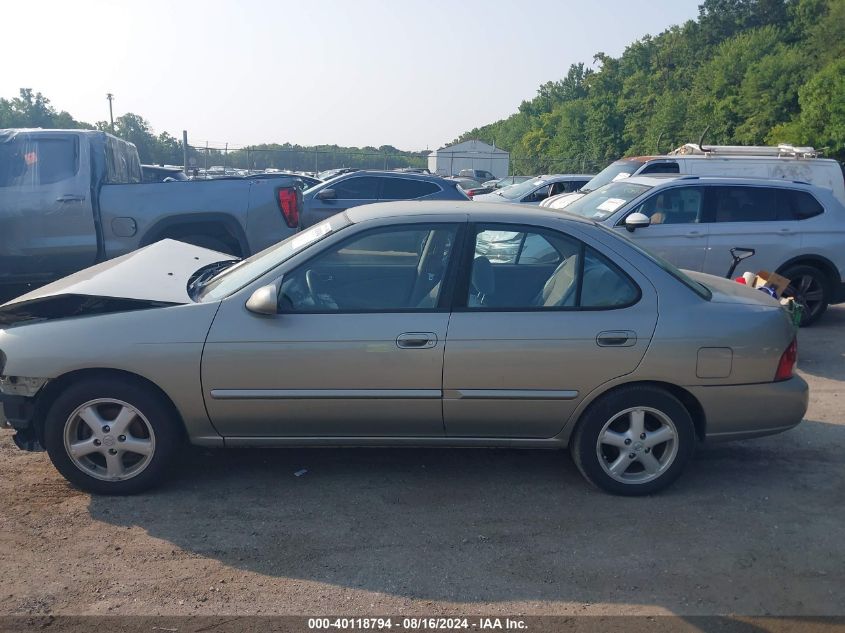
(774, 281)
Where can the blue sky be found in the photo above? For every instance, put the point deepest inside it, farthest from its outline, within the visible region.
(362, 72)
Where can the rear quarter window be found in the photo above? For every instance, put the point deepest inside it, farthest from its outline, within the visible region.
(803, 205)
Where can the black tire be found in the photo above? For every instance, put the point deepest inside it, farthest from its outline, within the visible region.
(156, 412)
(815, 283)
(209, 242)
(584, 443)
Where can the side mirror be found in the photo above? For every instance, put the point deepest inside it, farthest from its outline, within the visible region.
(637, 221)
(327, 194)
(264, 301)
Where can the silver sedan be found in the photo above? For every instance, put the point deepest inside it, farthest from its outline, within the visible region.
(394, 324)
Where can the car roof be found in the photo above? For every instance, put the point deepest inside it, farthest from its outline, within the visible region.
(394, 174)
(412, 208)
(655, 180)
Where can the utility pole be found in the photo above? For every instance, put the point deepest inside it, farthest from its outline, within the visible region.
(110, 97)
(185, 151)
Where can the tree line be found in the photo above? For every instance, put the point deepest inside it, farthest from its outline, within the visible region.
(749, 72)
(32, 109)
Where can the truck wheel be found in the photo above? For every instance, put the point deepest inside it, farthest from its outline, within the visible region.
(111, 437)
(209, 242)
(810, 288)
(633, 441)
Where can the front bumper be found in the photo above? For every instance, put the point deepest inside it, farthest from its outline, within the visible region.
(735, 412)
(18, 413)
(838, 293)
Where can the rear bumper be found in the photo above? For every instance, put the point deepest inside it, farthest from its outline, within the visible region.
(735, 412)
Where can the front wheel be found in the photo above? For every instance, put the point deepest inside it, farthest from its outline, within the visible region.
(634, 441)
(111, 436)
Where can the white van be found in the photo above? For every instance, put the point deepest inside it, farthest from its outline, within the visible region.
(800, 164)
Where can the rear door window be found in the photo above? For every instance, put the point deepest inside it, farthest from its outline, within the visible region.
(749, 204)
(563, 273)
(406, 189)
(31, 161)
(357, 188)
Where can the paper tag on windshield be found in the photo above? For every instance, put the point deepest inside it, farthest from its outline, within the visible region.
(621, 176)
(311, 235)
(611, 204)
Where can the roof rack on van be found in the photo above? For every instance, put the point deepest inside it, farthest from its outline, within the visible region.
(781, 151)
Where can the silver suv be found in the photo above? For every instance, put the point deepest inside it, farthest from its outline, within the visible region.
(796, 229)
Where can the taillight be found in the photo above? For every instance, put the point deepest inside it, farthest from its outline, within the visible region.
(289, 205)
(787, 361)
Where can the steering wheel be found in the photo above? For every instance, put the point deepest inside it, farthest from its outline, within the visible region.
(320, 300)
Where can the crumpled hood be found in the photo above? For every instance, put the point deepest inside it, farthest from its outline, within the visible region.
(158, 272)
(152, 277)
(729, 291)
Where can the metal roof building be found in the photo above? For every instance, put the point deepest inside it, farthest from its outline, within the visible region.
(472, 154)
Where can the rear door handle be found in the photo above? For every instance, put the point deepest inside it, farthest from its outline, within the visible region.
(69, 197)
(694, 234)
(616, 338)
(416, 340)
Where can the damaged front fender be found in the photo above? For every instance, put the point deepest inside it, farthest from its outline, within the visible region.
(67, 306)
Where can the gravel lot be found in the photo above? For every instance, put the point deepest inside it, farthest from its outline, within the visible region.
(753, 527)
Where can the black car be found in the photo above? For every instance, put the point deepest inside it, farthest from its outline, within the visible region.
(365, 187)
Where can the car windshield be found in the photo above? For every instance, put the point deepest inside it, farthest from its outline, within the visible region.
(605, 201)
(244, 272)
(522, 189)
(613, 172)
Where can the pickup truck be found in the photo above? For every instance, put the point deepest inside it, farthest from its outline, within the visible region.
(72, 198)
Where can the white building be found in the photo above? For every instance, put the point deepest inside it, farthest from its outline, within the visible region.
(448, 161)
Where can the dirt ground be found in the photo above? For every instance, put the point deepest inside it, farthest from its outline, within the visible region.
(754, 527)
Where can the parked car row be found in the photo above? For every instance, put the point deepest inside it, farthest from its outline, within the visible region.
(765, 201)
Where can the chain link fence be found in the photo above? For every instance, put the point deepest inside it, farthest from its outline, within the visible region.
(214, 159)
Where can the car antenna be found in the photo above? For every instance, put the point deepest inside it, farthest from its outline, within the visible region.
(701, 140)
(657, 145)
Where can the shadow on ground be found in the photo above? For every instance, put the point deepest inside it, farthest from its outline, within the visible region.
(732, 536)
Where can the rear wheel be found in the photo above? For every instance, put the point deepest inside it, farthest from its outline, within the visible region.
(111, 436)
(810, 288)
(634, 441)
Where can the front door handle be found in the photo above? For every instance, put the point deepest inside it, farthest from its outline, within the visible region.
(416, 340)
(69, 197)
(616, 338)
(694, 234)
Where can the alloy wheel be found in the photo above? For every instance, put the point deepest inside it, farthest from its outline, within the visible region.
(109, 439)
(637, 445)
(807, 290)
